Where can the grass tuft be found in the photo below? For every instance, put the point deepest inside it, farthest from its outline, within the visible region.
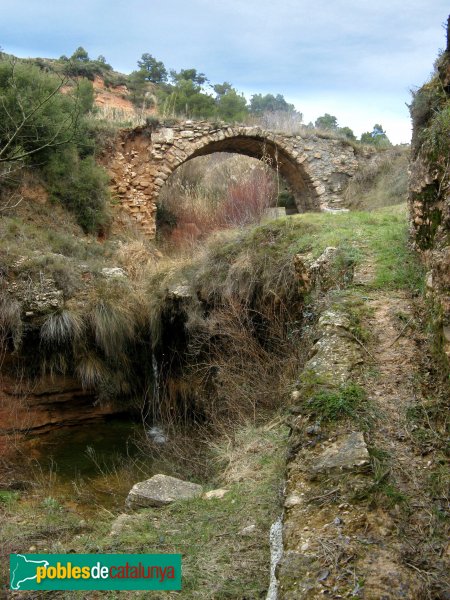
(332, 405)
(61, 328)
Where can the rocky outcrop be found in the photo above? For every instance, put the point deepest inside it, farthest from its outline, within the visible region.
(37, 407)
(336, 544)
(317, 169)
(336, 353)
(429, 197)
(320, 468)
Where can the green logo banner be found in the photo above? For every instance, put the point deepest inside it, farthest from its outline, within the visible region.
(95, 571)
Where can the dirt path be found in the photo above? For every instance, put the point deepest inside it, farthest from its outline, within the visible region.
(393, 385)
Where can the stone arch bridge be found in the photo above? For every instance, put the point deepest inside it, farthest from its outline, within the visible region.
(317, 169)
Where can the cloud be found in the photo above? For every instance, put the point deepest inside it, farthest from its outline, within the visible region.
(336, 51)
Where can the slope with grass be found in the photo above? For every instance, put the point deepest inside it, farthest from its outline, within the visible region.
(429, 194)
(253, 297)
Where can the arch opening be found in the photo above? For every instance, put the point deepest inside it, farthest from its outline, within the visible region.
(233, 181)
(214, 192)
(265, 149)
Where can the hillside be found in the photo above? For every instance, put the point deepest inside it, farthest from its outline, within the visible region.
(268, 320)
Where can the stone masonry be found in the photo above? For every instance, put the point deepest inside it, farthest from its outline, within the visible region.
(317, 169)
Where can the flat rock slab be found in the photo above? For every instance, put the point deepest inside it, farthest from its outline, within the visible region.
(349, 453)
(161, 490)
(123, 522)
(215, 494)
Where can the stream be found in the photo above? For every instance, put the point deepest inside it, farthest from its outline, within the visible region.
(87, 466)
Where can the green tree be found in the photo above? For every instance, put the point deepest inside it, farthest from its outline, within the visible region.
(347, 132)
(151, 69)
(326, 121)
(230, 105)
(85, 96)
(188, 75)
(80, 55)
(34, 116)
(41, 127)
(140, 94)
(188, 100)
(376, 137)
(222, 88)
(260, 104)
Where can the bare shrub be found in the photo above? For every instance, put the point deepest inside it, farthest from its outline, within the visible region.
(246, 202)
(249, 358)
(193, 208)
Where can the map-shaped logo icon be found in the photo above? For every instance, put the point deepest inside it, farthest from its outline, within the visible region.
(23, 569)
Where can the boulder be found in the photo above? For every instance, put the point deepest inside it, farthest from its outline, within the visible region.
(348, 453)
(160, 490)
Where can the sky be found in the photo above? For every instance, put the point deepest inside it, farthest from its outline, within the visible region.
(355, 59)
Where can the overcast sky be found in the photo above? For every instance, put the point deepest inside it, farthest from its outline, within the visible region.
(355, 59)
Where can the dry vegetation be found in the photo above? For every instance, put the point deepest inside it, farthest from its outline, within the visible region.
(382, 182)
(213, 193)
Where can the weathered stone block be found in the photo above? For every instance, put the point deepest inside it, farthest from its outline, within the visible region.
(348, 453)
(161, 490)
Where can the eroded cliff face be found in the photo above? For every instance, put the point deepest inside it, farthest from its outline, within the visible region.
(430, 191)
(34, 407)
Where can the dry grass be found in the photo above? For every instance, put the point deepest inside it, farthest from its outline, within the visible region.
(381, 182)
(137, 257)
(61, 328)
(11, 326)
(209, 194)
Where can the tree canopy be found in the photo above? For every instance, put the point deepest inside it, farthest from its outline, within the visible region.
(376, 137)
(260, 104)
(327, 121)
(188, 75)
(151, 69)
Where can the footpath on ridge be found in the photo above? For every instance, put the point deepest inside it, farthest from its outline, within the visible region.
(359, 517)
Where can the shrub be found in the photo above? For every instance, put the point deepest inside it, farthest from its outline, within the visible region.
(152, 121)
(81, 186)
(246, 202)
(436, 137)
(191, 208)
(50, 117)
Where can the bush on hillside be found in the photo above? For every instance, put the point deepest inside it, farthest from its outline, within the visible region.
(46, 129)
(81, 186)
(34, 117)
